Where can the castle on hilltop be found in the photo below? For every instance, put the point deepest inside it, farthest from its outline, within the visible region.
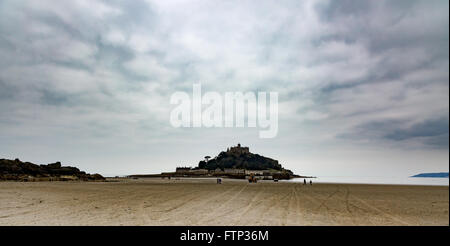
(238, 149)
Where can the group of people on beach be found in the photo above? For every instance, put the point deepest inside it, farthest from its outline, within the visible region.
(219, 181)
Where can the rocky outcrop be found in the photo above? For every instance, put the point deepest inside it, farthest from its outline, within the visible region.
(244, 160)
(27, 171)
(239, 157)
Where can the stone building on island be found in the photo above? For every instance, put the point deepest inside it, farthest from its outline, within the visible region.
(238, 149)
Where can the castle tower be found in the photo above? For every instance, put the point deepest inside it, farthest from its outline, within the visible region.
(238, 149)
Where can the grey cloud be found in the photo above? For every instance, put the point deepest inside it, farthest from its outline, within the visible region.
(52, 98)
(433, 133)
(429, 128)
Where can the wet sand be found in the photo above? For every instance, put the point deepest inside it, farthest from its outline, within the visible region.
(235, 202)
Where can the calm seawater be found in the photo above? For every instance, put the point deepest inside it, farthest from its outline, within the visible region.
(376, 180)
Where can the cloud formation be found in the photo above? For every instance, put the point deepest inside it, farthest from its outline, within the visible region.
(94, 78)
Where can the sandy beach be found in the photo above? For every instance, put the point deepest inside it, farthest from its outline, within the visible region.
(235, 202)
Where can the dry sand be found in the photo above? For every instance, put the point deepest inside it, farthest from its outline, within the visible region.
(235, 202)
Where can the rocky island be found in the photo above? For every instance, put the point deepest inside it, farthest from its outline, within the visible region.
(236, 162)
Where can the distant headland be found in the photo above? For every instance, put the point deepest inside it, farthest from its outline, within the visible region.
(16, 170)
(431, 175)
(236, 162)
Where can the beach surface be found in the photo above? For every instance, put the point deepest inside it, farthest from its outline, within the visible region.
(234, 202)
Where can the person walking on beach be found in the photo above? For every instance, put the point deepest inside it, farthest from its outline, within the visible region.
(304, 181)
(310, 182)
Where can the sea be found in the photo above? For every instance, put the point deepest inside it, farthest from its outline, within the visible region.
(376, 180)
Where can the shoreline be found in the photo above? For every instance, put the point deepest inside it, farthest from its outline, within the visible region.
(120, 179)
(290, 181)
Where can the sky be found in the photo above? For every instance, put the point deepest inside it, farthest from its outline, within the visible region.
(363, 86)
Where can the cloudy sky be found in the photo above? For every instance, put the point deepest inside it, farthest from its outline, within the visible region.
(363, 85)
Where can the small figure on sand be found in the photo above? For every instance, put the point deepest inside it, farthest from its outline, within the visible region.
(219, 181)
(304, 181)
(310, 182)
